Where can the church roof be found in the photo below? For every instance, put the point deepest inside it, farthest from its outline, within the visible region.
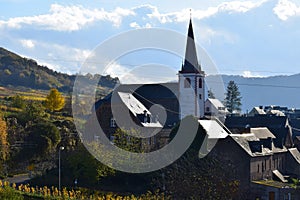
(190, 64)
(137, 108)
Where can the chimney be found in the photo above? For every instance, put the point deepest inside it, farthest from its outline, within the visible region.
(247, 129)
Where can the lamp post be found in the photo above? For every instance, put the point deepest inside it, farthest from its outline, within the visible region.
(60, 149)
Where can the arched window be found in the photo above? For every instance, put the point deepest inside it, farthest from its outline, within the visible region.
(187, 82)
(200, 83)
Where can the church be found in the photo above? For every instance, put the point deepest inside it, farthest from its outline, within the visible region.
(156, 107)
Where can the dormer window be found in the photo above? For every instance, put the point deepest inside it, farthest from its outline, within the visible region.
(187, 82)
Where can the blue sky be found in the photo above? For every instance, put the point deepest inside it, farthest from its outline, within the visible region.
(249, 38)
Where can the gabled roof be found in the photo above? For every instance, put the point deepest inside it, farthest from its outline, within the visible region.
(257, 110)
(276, 112)
(276, 124)
(279, 176)
(245, 141)
(262, 133)
(151, 91)
(137, 108)
(133, 104)
(295, 154)
(214, 129)
(216, 103)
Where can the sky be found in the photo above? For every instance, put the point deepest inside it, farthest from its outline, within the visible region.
(254, 38)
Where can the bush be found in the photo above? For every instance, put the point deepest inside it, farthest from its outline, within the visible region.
(9, 193)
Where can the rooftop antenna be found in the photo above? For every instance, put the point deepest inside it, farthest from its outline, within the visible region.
(190, 13)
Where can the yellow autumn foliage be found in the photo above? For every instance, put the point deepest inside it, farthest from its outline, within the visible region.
(55, 100)
(3, 139)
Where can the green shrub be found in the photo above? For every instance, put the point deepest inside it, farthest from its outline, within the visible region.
(9, 193)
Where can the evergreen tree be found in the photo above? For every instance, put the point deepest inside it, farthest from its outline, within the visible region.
(233, 97)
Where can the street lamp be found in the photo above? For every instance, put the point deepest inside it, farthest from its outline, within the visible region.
(60, 149)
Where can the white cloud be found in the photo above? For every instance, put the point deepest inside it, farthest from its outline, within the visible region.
(75, 17)
(136, 25)
(68, 18)
(27, 43)
(285, 9)
(116, 70)
(184, 15)
(249, 74)
(240, 6)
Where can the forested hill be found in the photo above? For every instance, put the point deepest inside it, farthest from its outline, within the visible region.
(23, 72)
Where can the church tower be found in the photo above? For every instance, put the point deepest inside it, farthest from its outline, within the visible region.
(191, 81)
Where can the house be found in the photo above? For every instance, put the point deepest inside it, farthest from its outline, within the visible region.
(261, 167)
(214, 107)
(278, 125)
(257, 111)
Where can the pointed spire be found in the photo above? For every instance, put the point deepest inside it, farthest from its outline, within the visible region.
(190, 61)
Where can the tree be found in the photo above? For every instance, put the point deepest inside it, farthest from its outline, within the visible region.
(18, 102)
(233, 98)
(129, 143)
(45, 136)
(210, 94)
(54, 101)
(34, 111)
(3, 140)
(196, 178)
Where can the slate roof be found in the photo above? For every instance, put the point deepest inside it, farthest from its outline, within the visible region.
(191, 64)
(137, 108)
(295, 154)
(279, 176)
(257, 110)
(214, 129)
(276, 112)
(164, 94)
(245, 141)
(216, 102)
(276, 124)
(262, 133)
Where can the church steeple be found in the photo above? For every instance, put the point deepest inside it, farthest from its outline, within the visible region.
(191, 80)
(191, 64)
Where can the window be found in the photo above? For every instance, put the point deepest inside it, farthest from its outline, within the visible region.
(113, 123)
(207, 109)
(154, 139)
(200, 96)
(258, 168)
(187, 82)
(265, 164)
(200, 83)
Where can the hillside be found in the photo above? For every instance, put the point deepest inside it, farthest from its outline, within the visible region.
(274, 90)
(17, 71)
